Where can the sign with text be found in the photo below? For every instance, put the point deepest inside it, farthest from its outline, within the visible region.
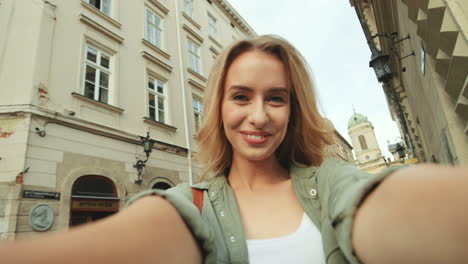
(95, 205)
(41, 195)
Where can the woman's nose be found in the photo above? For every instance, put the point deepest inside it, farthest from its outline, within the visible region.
(258, 115)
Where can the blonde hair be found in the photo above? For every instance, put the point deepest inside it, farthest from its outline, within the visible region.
(306, 134)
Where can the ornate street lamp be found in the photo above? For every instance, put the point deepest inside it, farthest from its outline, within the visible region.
(147, 144)
(401, 151)
(379, 62)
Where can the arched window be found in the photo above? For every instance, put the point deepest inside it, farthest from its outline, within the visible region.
(161, 186)
(362, 142)
(93, 198)
(96, 186)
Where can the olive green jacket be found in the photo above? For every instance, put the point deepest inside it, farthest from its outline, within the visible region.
(329, 195)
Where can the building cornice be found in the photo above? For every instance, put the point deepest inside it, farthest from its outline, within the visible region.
(235, 17)
(53, 117)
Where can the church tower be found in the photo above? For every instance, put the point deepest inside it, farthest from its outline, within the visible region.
(368, 155)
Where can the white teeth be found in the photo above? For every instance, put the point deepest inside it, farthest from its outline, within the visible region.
(255, 137)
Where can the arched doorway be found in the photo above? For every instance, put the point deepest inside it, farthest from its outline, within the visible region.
(161, 185)
(93, 197)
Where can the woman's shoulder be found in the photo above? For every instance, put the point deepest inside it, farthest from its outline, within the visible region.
(327, 166)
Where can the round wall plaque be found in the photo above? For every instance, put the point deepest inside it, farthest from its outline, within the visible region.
(41, 217)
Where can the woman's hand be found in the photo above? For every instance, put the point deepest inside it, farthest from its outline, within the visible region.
(149, 231)
(417, 215)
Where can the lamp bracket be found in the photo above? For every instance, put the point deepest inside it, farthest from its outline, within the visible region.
(406, 56)
(400, 40)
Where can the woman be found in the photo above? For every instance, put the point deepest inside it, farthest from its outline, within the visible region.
(267, 196)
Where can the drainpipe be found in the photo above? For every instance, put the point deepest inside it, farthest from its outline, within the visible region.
(182, 89)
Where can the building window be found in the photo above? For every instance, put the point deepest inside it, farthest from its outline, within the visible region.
(212, 26)
(423, 58)
(194, 56)
(447, 146)
(362, 142)
(197, 112)
(153, 28)
(161, 186)
(97, 74)
(188, 7)
(103, 5)
(157, 106)
(92, 198)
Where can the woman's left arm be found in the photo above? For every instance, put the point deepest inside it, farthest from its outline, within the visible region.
(418, 214)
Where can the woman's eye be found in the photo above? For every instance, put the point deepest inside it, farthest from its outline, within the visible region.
(277, 99)
(240, 97)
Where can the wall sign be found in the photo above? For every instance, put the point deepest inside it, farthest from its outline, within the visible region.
(41, 195)
(94, 205)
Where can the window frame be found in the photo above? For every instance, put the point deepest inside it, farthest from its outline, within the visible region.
(197, 106)
(363, 142)
(99, 69)
(194, 56)
(155, 28)
(157, 95)
(212, 26)
(102, 7)
(188, 8)
(423, 58)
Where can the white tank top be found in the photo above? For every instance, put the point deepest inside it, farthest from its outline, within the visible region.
(301, 247)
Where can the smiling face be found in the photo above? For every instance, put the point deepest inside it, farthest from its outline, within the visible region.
(255, 107)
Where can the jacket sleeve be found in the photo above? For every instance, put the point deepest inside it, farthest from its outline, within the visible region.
(181, 198)
(344, 188)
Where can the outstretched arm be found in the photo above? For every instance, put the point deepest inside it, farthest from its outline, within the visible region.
(149, 231)
(417, 215)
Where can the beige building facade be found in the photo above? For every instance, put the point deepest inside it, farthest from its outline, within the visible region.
(80, 83)
(427, 45)
(339, 148)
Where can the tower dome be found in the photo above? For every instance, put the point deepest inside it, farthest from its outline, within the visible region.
(356, 119)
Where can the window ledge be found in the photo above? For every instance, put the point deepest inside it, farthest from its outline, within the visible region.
(156, 48)
(92, 101)
(101, 14)
(215, 41)
(191, 20)
(90, 22)
(214, 50)
(157, 61)
(160, 6)
(194, 35)
(198, 75)
(159, 124)
(195, 84)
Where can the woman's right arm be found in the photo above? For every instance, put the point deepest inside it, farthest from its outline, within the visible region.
(149, 231)
(416, 215)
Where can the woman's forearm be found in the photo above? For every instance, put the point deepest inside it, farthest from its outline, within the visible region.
(149, 231)
(417, 215)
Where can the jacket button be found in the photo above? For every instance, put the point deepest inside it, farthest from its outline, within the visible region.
(212, 194)
(221, 213)
(233, 239)
(313, 193)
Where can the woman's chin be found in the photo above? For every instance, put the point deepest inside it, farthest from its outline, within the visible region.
(257, 156)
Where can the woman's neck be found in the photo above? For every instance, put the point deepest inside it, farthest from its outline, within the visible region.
(246, 174)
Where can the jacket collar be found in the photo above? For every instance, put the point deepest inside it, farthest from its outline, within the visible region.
(217, 183)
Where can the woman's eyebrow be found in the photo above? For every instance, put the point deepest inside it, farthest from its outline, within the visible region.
(240, 87)
(248, 89)
(278, 90)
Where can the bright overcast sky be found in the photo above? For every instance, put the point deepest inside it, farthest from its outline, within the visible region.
(328, 34)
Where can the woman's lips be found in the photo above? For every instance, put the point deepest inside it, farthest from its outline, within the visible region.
(255, 137)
